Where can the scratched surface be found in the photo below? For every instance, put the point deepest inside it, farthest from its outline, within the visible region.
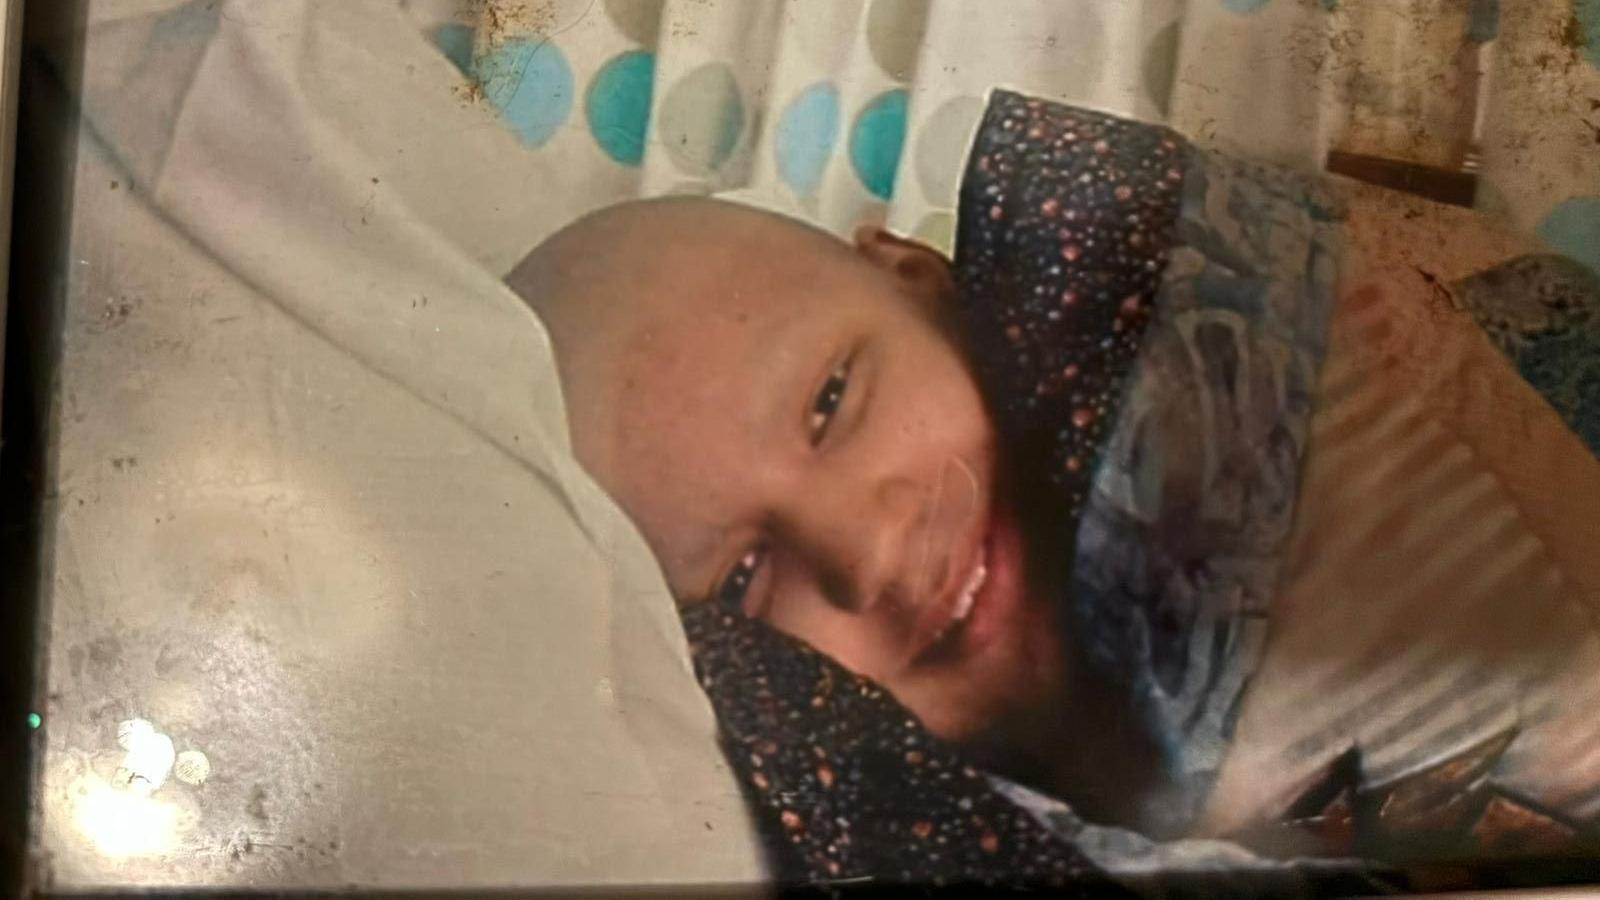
(327, 605)
(321, 614)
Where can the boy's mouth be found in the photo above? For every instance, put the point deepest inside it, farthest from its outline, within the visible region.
(977, 602)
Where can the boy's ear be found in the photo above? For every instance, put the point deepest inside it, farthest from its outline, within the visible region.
(920, 269)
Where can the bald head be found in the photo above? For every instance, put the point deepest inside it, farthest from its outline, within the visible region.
(617, 269)
(613, 284)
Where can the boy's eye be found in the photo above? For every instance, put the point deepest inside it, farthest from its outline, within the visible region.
(736, 584)
(828, 400)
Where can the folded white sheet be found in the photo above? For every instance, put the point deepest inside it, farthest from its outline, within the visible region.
(314, 516)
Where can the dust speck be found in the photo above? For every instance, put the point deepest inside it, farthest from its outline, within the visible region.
(257, 807)
(118, 309)
(105, 651)
(193, 767)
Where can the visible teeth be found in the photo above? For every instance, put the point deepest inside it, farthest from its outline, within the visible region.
(969, 593)
(964, 601)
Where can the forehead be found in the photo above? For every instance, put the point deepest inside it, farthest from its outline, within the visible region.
(706, 398)
(713, 383)
(738, 313)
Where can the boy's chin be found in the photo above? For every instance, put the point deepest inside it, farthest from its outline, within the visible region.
(1007, 739)
(1021, 686)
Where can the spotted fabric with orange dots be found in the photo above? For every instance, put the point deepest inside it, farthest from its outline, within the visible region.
(847, 788)
(1067, 219)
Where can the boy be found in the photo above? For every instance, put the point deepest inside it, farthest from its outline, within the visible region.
(905, 473)
(791, 420)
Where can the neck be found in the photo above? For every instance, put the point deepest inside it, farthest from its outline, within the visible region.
(1084, 747)
(1079, 738)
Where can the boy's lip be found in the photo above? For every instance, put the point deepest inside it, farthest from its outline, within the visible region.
(956, 626)
(1000, 598)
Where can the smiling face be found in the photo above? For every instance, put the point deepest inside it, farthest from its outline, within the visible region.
(794, 431)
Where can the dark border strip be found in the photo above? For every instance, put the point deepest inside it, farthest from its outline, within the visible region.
(46, 159)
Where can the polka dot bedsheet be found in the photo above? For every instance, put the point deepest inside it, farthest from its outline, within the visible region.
(862, 110)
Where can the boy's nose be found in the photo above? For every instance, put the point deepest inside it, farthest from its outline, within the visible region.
(864, 542)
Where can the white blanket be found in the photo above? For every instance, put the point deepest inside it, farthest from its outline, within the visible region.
(313, 517)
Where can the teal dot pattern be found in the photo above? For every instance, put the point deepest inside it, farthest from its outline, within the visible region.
(1484, 24)
(876, 142)
(455, 42)
(617, 106)
(1587, 13)
(701, 119)
(1573, 229)
(530, 84)
(807, 132)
